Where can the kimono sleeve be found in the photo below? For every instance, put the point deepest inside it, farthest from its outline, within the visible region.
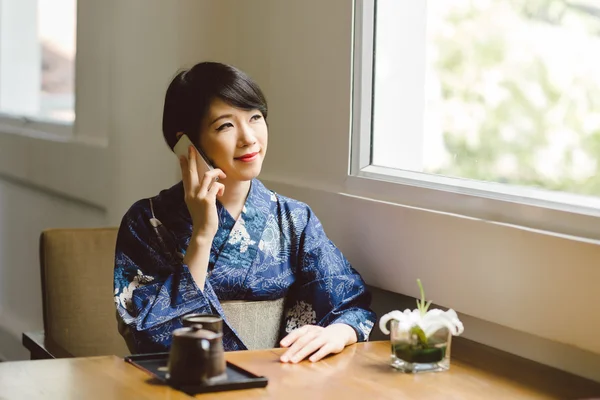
(152, 287)
(327, 290)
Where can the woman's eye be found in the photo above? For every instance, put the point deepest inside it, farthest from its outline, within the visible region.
(225, 125)
(256, 117)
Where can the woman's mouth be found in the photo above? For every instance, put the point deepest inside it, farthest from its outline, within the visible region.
(248, 157)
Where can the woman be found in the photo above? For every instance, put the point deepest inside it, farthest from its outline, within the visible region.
(221, 235)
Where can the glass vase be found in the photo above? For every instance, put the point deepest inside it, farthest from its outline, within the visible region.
(412, 353)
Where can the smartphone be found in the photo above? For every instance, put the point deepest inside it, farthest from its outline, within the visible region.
(181, 149)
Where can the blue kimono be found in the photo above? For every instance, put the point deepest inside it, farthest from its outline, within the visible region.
(276, 249)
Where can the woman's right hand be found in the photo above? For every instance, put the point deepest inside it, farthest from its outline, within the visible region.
(201, 195)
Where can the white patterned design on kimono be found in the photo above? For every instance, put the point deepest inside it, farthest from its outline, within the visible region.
(299, 315)
(365, 327)
(270, 243)
(124, 299)
(240, 235)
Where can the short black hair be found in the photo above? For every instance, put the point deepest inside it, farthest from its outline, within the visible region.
(190, 93)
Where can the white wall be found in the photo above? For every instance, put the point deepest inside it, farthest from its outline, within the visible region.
(300, 53)
(128, 51)
(507, 279)
(24, 212)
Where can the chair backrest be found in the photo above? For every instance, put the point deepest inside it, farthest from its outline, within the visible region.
(78, 308)
(77, 286)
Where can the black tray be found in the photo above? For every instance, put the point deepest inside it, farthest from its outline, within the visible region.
(237, 377)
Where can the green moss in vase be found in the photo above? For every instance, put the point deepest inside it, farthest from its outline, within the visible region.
(414, 354)
(422, 349)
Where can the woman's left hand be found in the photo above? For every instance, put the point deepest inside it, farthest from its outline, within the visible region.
(310, 339)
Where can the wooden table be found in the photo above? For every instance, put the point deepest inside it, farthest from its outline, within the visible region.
(360, 372)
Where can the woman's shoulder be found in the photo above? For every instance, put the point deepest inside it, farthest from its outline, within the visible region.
(297, 213)
(289, 203)
(284, 202)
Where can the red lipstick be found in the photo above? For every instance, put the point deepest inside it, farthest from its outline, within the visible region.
(248, 157)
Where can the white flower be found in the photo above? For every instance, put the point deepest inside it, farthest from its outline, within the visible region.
(431, 322)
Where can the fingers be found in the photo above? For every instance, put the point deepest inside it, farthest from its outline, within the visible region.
(293, 335)
(307, 334)
(325, 350)
(315, 340)
(315, 344)
(192, 182)
(216, 189)
(201, 166)
(208, 178)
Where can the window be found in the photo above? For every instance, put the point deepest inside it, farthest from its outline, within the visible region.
(499, 96)
(37, 62)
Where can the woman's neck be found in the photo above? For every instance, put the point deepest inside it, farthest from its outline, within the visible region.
(234, 197)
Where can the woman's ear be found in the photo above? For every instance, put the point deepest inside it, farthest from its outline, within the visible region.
(178, 135)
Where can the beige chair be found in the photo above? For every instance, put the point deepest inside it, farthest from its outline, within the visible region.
(78, 308)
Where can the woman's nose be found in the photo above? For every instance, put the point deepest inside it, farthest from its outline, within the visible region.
(247, 136)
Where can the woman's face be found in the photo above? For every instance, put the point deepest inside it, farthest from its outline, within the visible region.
(234, 140)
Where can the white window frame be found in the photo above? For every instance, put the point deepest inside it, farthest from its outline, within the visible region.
(35, 127)
(31, 125)
(553, 212)
(65, 157)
